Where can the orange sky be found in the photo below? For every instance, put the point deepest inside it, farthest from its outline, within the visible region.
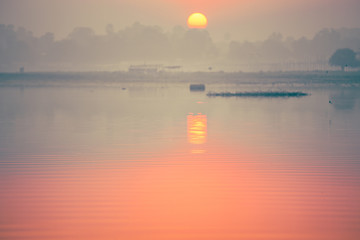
(242, 19)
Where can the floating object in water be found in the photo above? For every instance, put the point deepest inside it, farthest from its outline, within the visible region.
(197, 87)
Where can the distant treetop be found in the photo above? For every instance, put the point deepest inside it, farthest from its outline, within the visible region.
(344, 57)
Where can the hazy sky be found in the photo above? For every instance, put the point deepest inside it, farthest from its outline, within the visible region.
(240, 19)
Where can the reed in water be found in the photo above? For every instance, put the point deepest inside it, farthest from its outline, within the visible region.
(282, 94)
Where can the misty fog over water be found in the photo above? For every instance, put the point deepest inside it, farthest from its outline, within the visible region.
(191, 49)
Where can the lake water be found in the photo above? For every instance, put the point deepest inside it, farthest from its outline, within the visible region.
(156, 161)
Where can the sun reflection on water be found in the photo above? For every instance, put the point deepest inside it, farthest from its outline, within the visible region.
(197, 131)
(197, 128)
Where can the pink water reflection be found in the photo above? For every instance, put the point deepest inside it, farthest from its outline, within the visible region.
(230, 191)
(217, 195)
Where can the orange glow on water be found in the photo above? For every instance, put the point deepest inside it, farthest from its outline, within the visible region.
(230, 186)
(197, 128)
(185, 197)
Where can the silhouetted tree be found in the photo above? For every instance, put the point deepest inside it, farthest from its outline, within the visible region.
(344, 57)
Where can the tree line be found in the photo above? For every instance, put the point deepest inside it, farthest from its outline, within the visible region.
(142, 43)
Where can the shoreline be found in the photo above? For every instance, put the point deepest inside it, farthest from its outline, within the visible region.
(296, 77)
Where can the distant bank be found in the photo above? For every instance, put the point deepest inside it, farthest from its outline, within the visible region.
(330, 77)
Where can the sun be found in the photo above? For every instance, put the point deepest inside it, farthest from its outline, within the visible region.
(197, 20)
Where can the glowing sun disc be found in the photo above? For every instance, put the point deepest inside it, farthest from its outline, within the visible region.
(197, 20)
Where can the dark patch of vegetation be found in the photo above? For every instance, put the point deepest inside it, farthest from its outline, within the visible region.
(258, 94)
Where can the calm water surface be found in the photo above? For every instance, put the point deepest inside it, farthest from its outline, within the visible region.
(156, 161)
